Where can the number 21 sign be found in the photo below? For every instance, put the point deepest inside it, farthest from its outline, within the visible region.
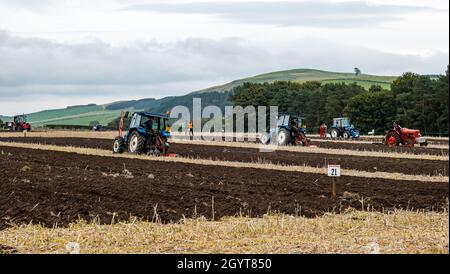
(334, 170)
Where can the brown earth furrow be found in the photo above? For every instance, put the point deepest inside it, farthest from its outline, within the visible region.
(51, 187)
(380, 147)
(210, 163)
(251, 155)
(354, 145)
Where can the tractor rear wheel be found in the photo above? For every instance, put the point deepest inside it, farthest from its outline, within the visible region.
(392, 139)
(334, 133)
(283, 137)
(119, 145)
(136, 144)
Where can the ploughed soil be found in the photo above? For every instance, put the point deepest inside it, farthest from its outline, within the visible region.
(371, 164)
(431, 142)
(355, 145)
(376, 145)
(51, 188)
(383, 148)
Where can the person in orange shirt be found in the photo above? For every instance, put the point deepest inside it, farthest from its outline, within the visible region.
(191, 129)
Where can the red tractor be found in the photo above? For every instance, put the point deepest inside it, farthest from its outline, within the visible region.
(20, 124)
(405, 136)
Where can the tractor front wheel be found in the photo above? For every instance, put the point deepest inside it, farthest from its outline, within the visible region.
(283, 137)
(136, 144)
(119, 145)
(265, 138)
(346, 135)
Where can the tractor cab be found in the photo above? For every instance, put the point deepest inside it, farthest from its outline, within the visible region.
(290, 122)
(290, 130)
(145, 122)
(341, 122)
(342, 127)
(19, 119)
(147, 133)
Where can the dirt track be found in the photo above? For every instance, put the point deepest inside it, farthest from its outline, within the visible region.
(55, 187)
(371, 164)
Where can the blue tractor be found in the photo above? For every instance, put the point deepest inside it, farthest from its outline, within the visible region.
(289, 131)
(147, 134)
(342, 128)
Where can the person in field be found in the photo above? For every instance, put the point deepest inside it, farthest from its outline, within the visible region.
(323, 130)
(191, 129)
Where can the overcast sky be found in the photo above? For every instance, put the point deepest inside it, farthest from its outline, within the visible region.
(55, 53)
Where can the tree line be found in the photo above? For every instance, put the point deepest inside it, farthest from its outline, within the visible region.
(415, 101)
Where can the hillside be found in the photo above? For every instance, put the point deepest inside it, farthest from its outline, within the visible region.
(218, 95)
(4, 118)
(304, 75)
(73, 115)
(83, 115)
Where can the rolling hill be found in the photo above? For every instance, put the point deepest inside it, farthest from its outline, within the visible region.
(218, 95)
(4, 118)
(83, 115)
(305, 75)
(73, 115)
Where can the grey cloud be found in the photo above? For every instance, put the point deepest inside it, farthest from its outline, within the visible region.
(326, 55)
(38, 67)
(41, 62)
(303, 13)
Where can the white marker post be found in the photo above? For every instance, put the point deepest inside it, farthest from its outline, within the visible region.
(334, 171)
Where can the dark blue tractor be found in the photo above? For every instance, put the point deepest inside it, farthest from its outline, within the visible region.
(147, 134)
(289, 131)
(342, 127)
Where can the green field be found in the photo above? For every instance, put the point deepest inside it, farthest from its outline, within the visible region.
(79, 115)
(5, 118)
(305, 75)
(364, 83)
(103, 117)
